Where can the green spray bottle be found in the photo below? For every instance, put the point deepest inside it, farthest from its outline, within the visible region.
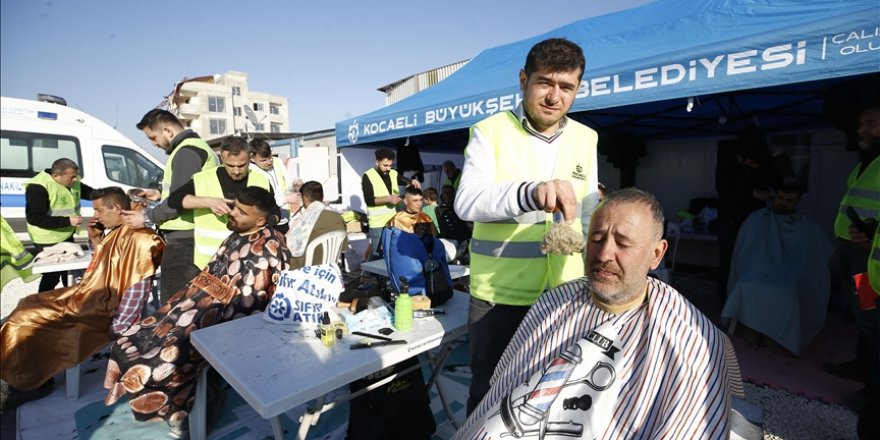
(403, 313)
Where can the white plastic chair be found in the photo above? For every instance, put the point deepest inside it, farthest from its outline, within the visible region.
(330, 243)
(667, 266)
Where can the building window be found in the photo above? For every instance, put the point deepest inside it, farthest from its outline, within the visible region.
(218, 126)
(274, 108)
(275, 128)
(236, 91)
(216, 104)
(259, 107)
(236, 111)
(259, 127)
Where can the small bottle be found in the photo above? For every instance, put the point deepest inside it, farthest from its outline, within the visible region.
(341, 329)
(328, 331)
(403, 313)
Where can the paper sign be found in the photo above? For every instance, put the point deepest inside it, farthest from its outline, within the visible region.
(303, 295)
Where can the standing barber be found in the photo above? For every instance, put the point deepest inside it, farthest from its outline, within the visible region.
(520, 167)
(381, 189)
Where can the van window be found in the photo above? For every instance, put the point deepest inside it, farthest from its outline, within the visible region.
(26, 154)
(130, 168)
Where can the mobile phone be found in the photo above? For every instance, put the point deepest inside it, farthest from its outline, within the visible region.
(856, 220)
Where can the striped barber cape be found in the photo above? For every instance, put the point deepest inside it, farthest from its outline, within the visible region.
(572, 370)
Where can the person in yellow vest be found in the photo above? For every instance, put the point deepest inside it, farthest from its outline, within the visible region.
(52, 203)
(187, 155)
(453, 174)
(15, 260)
(874, 262)
(263, 162)
(210, 194)
(381, 188)
(522, 166)
(852, 254)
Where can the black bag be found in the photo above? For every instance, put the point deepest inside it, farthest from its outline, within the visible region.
(399, 409)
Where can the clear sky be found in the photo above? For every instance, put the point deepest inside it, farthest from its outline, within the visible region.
(116, 59)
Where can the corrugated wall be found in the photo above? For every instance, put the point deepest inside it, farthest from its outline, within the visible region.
(419, 82)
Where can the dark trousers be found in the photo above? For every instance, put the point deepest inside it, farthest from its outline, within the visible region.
(50, 279)
(490, 329)
(177, 265)
(727, 232)
(850, 261)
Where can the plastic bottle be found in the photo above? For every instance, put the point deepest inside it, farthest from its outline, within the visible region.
(328, 331)
(403, 313)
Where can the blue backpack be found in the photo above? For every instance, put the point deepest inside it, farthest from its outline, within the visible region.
(421, 261)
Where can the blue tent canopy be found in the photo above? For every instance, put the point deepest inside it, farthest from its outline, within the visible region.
(663, 50)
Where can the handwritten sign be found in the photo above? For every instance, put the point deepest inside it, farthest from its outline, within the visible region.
(302, 295)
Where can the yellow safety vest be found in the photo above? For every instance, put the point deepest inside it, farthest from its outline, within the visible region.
(14, 259)
(63, 202)
(863, 194)
(874, 263)
(378, 216)
(507, 266)
(184, 221)
(210, 229)
(452, 183)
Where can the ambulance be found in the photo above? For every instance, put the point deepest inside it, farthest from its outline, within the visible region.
(33, 134)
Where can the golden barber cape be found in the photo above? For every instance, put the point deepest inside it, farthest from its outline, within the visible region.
(51, 331)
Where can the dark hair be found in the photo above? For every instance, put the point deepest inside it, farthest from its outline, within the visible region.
(259, 198)
(635, 195)
(790, 187)
(430, 194)
(156, 118)
(312, 190)
(412, 191)
(235, 145)
(112, 196)
(62, 165)
(751, 143)
(385, 153)
(556, 55)
(261, 148)
(448, 162)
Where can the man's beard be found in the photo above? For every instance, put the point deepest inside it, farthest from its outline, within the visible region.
(870, 145)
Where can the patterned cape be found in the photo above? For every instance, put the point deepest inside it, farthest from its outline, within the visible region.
(153, 361)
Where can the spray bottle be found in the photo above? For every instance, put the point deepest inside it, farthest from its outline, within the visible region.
(403, 313)
(328, 331)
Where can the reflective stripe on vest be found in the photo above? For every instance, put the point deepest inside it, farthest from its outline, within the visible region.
(210, 229)
(184, 221)
(11, 250)
(378, 216)
(507, 266)
(863, 195)
(874, 263)
(63, 202)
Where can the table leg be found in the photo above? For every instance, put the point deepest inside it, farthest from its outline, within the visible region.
(437, 362)
(277, 429)
(310, 418)
(198, 429)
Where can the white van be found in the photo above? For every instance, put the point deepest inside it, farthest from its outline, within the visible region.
(33, 134)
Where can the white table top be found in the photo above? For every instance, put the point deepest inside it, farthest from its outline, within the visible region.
(378, 267)
(276, 367)
(75, 264)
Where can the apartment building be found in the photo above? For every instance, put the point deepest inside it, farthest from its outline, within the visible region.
(220, 105)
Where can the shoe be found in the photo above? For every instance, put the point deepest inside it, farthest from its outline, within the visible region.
(11, 398)
(852, 370)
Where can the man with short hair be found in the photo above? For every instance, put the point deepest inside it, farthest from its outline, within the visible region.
(54, 330)
(453, 174)
(153, 362)
(522, 166)
(381, 189)
(265, 163)
(210, 193)
(313, 220)
(52, 203)
(412, 219)
(187, 155)
(617, 354)
(779, 274)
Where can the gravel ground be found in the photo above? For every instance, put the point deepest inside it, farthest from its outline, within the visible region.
(13, 292)
(791, 417)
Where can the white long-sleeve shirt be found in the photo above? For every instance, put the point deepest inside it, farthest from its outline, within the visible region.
(481, 199)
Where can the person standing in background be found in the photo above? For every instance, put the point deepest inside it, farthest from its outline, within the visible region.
(264, 162)
(381, 188)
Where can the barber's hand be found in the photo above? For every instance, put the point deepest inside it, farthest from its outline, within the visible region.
(556, 195)
(415, 183)
(76, 220)
(761, 195)
(858, 237)
(219, 206)
(135, 219)
(150, 194)
(394, 199)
